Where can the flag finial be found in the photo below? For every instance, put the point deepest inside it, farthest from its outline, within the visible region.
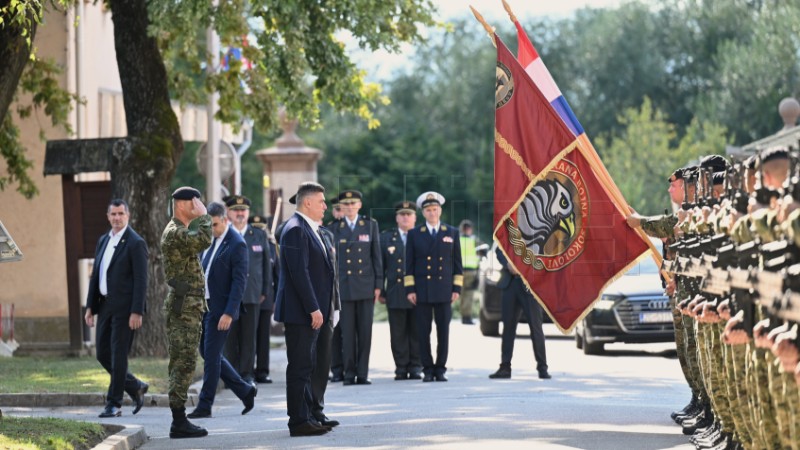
(510, 13)
(489, 29)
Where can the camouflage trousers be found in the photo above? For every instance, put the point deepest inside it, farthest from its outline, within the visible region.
(710, 357)
(680, 341)
(695, 375)
(761, 398)
(780, 401)
(735, 368)
(183, 337)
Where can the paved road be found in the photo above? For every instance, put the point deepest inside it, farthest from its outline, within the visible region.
(618, 401)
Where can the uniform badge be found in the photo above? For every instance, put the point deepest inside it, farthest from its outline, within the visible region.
(392, 249)
(342, 241)
(257, 249)
(444, 227)
(363, 238)
(423, 229)
(447, 239)
(341, 224)
(361, 223)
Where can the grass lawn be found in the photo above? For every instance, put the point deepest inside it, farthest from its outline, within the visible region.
(76, 375)
(57, 434)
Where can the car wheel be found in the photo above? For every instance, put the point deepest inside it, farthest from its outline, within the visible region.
(489, 327)
(591, 348)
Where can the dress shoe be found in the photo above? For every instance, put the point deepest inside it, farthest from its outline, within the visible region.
(363, 381)
(440, 377)
(264, 380)
(504, 372)
(337, 378)
(325, 421)
(467, 320)
(401, 376)
(199, 414)
(138, 397)
(349, 382)
(414, 376)
(250, 400)
(427, 378)
(111, 411)
(307, 429)
(544, 375)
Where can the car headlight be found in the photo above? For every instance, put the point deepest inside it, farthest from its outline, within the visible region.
(606, 302)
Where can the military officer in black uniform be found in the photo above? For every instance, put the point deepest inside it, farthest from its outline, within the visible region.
(402, 321)
(433, 281)
(360, 281)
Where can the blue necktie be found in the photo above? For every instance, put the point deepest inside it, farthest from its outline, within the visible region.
(207, 258)
(433, 232)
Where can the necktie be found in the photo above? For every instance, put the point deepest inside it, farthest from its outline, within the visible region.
(324, 242)
(403, 238)
(352, 226)
(433, 232)
(207, 258)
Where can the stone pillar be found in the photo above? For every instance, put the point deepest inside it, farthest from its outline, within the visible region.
(287, 164)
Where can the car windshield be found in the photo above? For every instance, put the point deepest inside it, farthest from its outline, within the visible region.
(646, 266)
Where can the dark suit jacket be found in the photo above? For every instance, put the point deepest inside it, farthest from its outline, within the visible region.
(359, 258)
(227, 276)
(394, 267)
(126, 275)
(505, 275)
(272, 288)
(433, 265)
(306, 280)
(259, 267)
(337, 298)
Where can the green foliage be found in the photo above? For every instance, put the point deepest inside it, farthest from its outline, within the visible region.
(49, 433)
(648, 148)
(17, 165)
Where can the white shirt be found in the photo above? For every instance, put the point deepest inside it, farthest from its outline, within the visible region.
(351, 224)
(241, 232)
(108, 254)
(213, 251)
(432, 228)
(315, 228)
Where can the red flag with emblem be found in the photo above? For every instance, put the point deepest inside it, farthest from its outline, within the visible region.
(554, 219)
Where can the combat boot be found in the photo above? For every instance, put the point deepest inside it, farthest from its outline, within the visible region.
(686, 410)
(503, 372)
(182, 428)
(702, 420)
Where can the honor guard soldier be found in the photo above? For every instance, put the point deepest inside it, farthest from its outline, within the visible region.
(402, 321)
(433, 281)
(186, 235)
(360, 281)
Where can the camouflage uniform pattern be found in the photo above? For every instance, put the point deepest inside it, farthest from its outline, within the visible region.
(181, 247)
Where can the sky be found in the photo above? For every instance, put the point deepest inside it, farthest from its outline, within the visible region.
(381, 65)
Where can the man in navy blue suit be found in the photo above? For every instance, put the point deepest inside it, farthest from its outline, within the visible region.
(117, 291)
(433, 281)
(225, 267)
(304, 303)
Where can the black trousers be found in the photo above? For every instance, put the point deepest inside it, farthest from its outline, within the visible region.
(262, 342)
(404, 340)
(319, 378)
(442, 313)
(114, 338)
(516, 297)
(337, 363)
(240, 347)
(301, 352)
(356, 325)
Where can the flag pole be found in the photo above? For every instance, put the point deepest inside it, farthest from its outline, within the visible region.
(489, 29)
(510, 13)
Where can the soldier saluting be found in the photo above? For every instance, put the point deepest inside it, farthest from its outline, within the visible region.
(186, 235)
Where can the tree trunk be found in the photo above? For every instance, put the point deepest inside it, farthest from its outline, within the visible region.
(14, 53)
(143, 164)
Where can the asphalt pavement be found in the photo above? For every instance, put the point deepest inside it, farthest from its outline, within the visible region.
(620, 400)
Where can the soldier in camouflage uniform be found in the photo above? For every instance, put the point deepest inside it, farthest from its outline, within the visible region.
(186, 235)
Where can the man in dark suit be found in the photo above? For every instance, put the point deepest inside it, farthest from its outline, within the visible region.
(265, 308)
(360, 283)
(225, 268)
(240, 347)
(402, 321)
(433, 281)
(117, 291)
(304, 303)
(516, 297)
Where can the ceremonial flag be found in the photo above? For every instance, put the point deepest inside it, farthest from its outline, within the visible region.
(555, 216)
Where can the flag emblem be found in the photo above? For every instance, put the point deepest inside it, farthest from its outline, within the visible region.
(504, 85)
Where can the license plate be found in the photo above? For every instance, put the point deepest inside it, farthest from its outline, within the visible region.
(655, 317)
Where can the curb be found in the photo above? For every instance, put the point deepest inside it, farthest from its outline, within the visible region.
(57, 399)
(128, 438)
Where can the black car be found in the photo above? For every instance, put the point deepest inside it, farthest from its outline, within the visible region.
(633, 309)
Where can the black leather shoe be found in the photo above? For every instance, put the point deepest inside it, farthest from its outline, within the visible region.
(185, 429)
(138, 397)
(264, 380)
(503, 372)
(544, 375)
(427, 378)
(199, 414)
(306, 429)
(363, 381)
(440, 377)
(349, 382)
(337, 378)
(250, 400)
(110, 411)
(401, 376)
(326, 422)
(414, 376)
(467, 320)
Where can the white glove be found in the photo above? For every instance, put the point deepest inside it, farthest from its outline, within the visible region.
(335, 317)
